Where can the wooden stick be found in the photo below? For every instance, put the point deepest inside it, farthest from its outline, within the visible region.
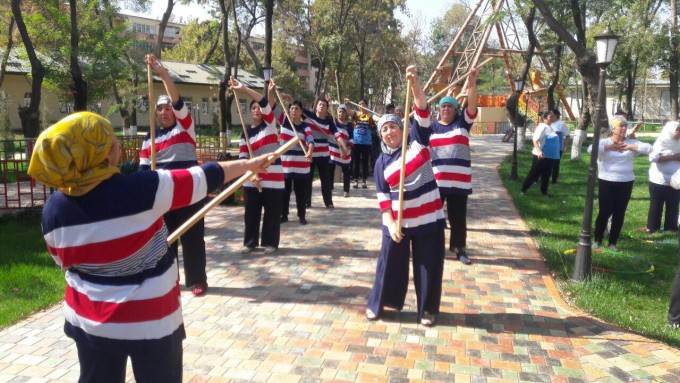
(152, 118)
(290, 120)
(243, 124)
(226, 193)
(359, 106)
(404, 149)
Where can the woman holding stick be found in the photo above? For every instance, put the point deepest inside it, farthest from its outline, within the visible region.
(266, 192)
(422, 231)
(297, 161)
(364, 128)
(122, 283)
(346, 129)
(175, 145)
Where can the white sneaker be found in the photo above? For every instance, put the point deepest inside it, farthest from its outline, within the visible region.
(428, 319)
(269, 249)
(245, 249)
(370, 315)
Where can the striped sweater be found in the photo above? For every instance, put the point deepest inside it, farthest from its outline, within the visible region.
(422, 204)
(323, 131)
(122, 281)
(175, 147)
(346, 132)
(294, 162)
(450, 147)
(264, 139)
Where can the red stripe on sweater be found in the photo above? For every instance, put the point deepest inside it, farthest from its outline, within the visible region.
(443, 141)
(183, 188)
(128, 312)
(106, 251)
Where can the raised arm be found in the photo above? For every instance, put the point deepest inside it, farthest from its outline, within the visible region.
(241, 88)
(472, 92)
(162, 72)
(419, 96)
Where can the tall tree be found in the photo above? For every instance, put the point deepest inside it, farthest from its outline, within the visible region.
(30, 116)
(674, 60)
(8, 50)
(78, 87)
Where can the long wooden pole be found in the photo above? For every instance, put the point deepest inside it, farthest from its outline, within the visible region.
(152, 118)
(290, 120)
(243, 123)
(456, 81)
(359, 106)
(227, 192)
(404, 149)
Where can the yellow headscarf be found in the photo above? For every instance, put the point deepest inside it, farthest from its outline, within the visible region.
(71, 154)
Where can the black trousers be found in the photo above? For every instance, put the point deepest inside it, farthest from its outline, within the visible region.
(674, 308)
(193, 243)
(540, 168)
(360, 158)
(322, 163)
(149, 364)
(613, 198)
(660, 195)
(255, 201)
(300, 187)
(456, 208)
(346, 170)
(392, 272)
(556, 169)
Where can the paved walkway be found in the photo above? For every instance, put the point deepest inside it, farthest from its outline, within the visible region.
(298, 315)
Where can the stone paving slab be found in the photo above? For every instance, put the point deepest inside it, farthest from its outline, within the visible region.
(298, 315)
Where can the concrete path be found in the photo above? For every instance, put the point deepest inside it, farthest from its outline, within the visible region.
(298, 315)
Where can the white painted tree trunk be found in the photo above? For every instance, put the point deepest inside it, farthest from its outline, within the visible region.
(577, 144)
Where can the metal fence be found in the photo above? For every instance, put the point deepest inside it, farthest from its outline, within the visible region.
(19, 191)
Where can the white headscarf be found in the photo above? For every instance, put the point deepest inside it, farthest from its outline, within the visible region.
(665, 141)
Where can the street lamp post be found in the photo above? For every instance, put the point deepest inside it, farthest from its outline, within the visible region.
(606, 45)
(519, 84)
(267, 74)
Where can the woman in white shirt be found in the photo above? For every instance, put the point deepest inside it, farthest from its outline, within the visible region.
(545, 154)
(615, 179)
(665, 159)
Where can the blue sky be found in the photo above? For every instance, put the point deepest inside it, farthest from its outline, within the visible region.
(428, 8)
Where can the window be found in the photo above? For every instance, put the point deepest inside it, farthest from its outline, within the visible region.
(143, 28)
(204, 105)
(302, 66)
(257, 46)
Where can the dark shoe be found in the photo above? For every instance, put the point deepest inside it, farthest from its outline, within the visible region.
(303, 221)
(330, 206)
(356, 185)
(463, 258)
(199, 289)
(370, 315)
(428, 320)
(284, 219)
(675, 326)
(308, 205)
(649, 231)
(364, 186)
(346, 194)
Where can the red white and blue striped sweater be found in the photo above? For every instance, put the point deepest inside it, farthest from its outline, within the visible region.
(294, 162)
(451, 161)
(422, 204)
(121, 275)
(346, 132)
(323, 131)
(176, 147)
(264, 139)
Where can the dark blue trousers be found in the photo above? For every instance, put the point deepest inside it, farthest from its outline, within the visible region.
(156, 361)
(392, 272)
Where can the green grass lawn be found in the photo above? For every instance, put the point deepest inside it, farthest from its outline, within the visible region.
(624, 288)
(29, 279)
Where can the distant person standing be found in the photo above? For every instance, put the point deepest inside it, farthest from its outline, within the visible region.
(175, 145)
(563, 134)
(364, 125)
(346, 130)
(545, 153)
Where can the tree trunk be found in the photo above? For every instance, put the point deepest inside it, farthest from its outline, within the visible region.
(555, 80)
(30, 116)
(674, 61)
(8, 50)
(78, 87)
(158, 49)
(580, 133)
(224, 101)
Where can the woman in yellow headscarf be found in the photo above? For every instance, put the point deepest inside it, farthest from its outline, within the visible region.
(106, 230)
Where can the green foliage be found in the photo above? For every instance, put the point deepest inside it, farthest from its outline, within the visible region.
(29, 279)
(625, 295)
(197, 39)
